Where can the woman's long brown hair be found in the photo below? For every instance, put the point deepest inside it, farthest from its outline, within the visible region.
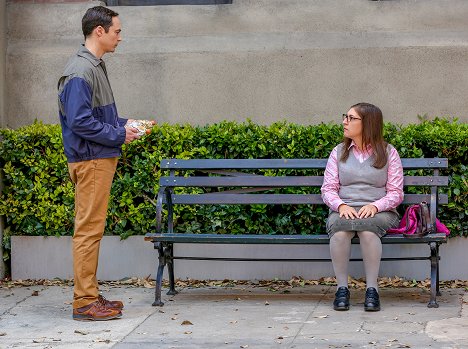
(372, 133)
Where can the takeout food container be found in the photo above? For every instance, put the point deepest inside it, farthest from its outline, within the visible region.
(143, 126)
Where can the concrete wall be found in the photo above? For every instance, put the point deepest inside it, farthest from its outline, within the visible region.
(301, 60)
(46, 258)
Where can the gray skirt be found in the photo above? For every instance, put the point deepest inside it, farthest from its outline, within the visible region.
(377, 224)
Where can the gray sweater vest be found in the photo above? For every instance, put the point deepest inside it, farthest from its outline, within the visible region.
(361, 184)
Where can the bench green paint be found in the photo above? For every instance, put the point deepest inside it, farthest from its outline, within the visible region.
(237, 184)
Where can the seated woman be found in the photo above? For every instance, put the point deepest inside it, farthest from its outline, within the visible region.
(363, 185)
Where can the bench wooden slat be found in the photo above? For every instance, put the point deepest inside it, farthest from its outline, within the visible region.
(417, 198)
(425, 180)
(419, 163)
(244, 181)
(286, 199)
(205, 164)
(279, 181)
(277, 239)
(200, 164)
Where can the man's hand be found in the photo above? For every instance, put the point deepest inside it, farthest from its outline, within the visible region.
(131, 134)
(347, 212)
(367, 211)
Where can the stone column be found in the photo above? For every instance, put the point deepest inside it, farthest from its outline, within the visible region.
(2, 264)
(2, 108)
(3, 48)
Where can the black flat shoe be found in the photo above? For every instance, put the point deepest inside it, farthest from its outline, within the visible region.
(341, 299)
(372, 302)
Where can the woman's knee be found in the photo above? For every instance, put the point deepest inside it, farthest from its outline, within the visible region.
(342, 236)
(368, 237)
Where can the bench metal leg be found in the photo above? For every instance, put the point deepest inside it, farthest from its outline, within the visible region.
(434, 275)
(438, 258)
(170, 268)
(159, 275)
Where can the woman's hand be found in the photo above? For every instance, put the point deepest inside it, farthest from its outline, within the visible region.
(367, 211)
(347, 212)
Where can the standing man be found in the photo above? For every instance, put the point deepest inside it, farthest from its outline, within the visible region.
(93, 134)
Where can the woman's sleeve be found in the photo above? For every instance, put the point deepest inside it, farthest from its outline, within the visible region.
(331, 182)
(394, 187)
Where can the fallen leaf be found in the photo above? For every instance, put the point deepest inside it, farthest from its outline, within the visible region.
(188, 332)
(174, 318)
(2, 334)
(35, 293)
(266, 303)
(84, 333)
(99, 340)
(186, 322)
(148, 284)
(244, 346)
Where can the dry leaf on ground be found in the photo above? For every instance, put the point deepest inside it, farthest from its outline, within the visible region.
(83, 332)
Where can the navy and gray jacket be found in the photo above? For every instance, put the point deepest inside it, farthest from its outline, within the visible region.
(91, 126)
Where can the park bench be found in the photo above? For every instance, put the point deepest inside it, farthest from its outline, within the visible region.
(239, 182)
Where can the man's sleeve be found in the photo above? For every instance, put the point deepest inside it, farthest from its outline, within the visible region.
(122, 121)
(76, 99)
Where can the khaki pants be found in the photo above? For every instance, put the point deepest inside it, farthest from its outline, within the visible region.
(93, 181)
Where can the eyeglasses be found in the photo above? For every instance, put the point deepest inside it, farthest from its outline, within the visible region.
(349, 118)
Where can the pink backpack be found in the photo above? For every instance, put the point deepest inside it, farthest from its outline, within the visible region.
(416, 222)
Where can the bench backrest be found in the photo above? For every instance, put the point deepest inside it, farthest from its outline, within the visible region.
(234, 181)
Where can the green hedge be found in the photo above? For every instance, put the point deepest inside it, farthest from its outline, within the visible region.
(38, 194)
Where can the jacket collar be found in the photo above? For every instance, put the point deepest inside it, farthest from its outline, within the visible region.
(85, 53)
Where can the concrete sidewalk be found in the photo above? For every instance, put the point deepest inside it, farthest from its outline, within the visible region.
(235, 317)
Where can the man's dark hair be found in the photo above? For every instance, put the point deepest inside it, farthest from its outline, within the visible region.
(95, 17)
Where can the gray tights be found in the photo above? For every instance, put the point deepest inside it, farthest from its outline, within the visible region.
(371, 249)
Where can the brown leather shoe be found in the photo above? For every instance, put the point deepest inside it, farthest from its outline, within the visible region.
(110, 304)
(95, 312)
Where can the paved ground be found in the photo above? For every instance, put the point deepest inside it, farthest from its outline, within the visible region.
(237, 317)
